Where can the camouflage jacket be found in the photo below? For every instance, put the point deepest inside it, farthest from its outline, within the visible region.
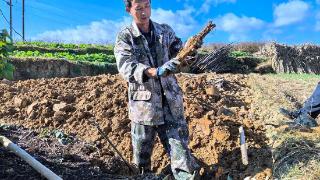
(133, 58)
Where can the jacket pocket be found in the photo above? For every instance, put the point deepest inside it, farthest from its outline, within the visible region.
(140, 95)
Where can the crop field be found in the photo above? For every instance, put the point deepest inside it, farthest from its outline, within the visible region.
(82, 52)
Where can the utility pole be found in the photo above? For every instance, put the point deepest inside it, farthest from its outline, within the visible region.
(23, 37)
(10, 18)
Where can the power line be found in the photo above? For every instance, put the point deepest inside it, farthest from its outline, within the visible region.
(11, 27)
(4, 16)
(9, 22)
(7, 2)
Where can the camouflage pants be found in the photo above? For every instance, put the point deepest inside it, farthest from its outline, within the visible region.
(312, 105)
(173, 135)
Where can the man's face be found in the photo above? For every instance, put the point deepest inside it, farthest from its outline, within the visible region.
(140, 11)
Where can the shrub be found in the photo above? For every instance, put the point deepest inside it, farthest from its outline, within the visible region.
(239, 54)
(6, 69)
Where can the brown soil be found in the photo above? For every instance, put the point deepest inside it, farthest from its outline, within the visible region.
(215, 107)
(74, 160)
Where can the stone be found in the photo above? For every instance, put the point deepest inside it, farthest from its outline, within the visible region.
(32, 107)
(59, 107)
(212, 91)
(224, 111)
(20, 102)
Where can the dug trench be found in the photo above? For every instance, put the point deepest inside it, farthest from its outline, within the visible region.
(50, 119)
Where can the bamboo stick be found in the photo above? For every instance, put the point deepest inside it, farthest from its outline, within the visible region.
(29, 159)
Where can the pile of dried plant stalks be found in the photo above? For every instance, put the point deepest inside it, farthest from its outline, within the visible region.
(293, 59)
(215, 61)
(293, 151)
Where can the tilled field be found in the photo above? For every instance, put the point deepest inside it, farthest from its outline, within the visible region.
(215, 107)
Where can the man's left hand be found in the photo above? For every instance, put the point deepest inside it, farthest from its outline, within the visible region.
(168, 67)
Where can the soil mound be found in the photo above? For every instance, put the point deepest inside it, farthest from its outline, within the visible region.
(215, 107)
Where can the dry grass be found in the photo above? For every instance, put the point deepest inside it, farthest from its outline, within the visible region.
(296, 151)
(250, 47)
(304, 171)
(274, 91)
(295, 155)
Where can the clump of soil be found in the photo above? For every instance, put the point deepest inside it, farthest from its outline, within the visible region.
(215, 107)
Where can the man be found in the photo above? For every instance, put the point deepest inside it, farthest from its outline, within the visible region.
(307, 114)
(145, 53)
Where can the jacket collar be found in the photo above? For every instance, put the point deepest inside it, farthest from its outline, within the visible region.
(136, 32)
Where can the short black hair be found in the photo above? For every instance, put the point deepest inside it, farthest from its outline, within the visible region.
(128, 3)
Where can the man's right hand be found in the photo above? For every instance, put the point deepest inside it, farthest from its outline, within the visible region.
(151, 72)
(168, 67)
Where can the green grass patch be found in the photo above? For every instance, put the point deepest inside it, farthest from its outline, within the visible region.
(240, 54)
(295, 76)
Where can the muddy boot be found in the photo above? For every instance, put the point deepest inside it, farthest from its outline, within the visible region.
(306, 120)
(289, 114)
